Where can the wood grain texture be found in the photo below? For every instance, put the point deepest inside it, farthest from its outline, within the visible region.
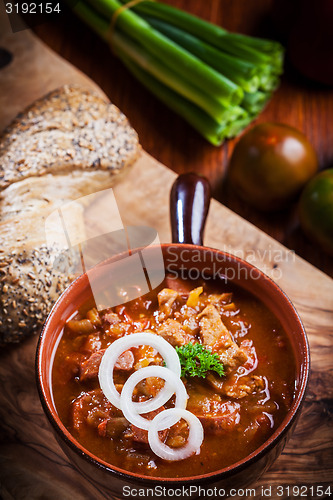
(32, 466)
(298, 102)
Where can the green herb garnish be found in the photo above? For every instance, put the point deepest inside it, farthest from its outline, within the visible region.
(196, 360)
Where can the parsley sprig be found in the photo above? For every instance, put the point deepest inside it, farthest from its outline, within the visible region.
(196, 360)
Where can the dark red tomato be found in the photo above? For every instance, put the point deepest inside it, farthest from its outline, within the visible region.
(316, 210)
(270, 165)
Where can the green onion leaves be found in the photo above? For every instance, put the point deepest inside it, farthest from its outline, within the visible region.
(216, 80)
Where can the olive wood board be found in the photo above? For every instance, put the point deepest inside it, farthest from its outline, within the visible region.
(32, 465)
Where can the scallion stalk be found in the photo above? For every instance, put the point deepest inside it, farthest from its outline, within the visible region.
(236, 126)
(215, 108)
(162, 47)
(241, 46)
(216, 80)
(204, 124)
(255, 102)
(239, 71)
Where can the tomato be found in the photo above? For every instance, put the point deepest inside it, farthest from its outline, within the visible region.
(316, 210)
(270, 164)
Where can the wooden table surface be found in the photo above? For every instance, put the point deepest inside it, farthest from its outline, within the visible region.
(304, 105)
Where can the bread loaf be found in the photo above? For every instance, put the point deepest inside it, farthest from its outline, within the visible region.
(49, 191)
(67, 145)
(68, 130)
(31, 279)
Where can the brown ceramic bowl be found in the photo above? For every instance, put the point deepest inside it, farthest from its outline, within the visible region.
(191, 198)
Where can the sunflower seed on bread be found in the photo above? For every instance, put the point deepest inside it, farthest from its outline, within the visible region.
(68, 130)
(64, 109)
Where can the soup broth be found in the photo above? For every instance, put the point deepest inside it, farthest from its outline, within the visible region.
(238, 410)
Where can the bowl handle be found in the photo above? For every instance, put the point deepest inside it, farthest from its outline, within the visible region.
(189, 204)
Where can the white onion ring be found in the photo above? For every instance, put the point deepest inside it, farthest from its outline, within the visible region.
(166, 419)
(112, 353)
(130, 409)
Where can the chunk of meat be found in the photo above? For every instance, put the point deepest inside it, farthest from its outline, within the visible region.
(178, 434)
(91, 409)
(140, 435)
(89, 368)
(113, 427)
(173, 332)
(233, 356)
(252, 361)
(166, 298)
(224, 417)
(92, 344)
(125, 361)
(137, 434)
(243, 386)
(236, 387)
(215, 414)
(215, 335)
(213, 332)
(113, 325)
(190, 322)
(111, 318)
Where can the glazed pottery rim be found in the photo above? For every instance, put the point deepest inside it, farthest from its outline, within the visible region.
(66, 436)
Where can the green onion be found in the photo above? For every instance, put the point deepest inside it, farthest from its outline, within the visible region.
(254, 49)
(241, 72)
(161, 72)
(216, 80)
(208, 128)
(162, 47)
(255, 102)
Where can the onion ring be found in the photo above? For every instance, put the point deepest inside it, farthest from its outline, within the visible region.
(166, 419)
(105, 373)
(130, 408)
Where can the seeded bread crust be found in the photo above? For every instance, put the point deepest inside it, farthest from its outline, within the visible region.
(32, 273)
(68, 130)
(29, 288)
(64, 108)
(67, 145)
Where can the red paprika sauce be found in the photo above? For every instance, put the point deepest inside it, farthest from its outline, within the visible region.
(238, 411)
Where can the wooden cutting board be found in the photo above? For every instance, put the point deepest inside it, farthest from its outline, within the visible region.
(32, 465)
